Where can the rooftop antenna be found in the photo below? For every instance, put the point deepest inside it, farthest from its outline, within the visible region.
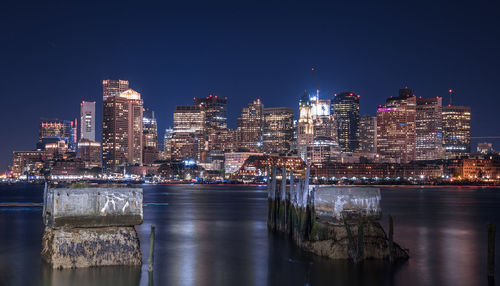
(313, 70)
(451, 92)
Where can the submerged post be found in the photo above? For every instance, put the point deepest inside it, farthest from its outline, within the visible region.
(391, 239)
(151, 248)
(491, 250)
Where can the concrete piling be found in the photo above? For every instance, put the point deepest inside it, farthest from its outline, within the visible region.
(151, 249)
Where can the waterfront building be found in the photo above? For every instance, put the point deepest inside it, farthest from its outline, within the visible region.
(345, 109)
(396, 131)
(90, 153)
(277, 135)
(29, 163)
(250, 125)
(63, 129)
(122, 134)
(321, 150)
(456, 130)
(87, 120)
(234, 160)
(305, 126)
(367, 134)
(256, 166)
(474, 169)
(112, 88)
(429, 128)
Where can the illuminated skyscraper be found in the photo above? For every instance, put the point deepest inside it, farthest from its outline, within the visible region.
(215, 110)
(250, 125)
(368, 134)
(429, 142)
(90, 153)
(112, 87)
(188, 132)
(64, 129)
(122, 129)
(345, 108)
(87, 120)
(277, 135)
(396, 133)
(167, 144)
(456, 130)
(149, 129)
(305, 126)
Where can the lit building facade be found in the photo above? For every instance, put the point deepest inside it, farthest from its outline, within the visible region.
(215, 110)
(64, 129)
(122, 134)
(367, 134)
(234, 160)
(305, 126)
(456, 130)
(167, 144)
(345, 109)
(188, 132)
(396, 130)
(90, 153)
(321, 150)
(29, 163)
(250, 125)
(112, 88)
(87, 120)
(149, 129)
(277, 135)
(429, 128)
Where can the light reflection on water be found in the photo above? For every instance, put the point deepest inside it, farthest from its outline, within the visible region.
(217, 235)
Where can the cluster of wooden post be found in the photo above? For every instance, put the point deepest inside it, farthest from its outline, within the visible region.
(290, 210)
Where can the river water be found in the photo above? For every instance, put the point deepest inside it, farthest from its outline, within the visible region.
(217, 235)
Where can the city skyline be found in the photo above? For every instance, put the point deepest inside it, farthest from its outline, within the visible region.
(275, 67)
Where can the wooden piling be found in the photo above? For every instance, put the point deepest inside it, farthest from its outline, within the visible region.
(391, 239)
(491, 250)
(361, 243)
(151, 249)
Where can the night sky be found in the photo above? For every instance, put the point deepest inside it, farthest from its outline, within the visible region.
(56, 54)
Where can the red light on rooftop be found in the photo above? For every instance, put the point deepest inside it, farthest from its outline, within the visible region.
(334, 94)
(450, 91)
(351, 93)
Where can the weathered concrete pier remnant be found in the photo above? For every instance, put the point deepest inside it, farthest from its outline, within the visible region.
(337, 222)
(91, 226)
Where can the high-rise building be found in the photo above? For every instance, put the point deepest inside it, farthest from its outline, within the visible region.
(250, 125)
(87, 120)
(215, 110)
(149, 128)
(396, 133)
(122, 135)
(367, 134)
(167, 144)
(277, 135)
(305, 126)
(112, 87)
(456, 130)
(345, 109)
(188, 132)
(429, 140)
(29, 163)
(63, 129)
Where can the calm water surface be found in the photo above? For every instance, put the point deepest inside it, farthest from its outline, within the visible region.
(217, 235)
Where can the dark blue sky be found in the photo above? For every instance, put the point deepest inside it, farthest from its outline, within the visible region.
(55, 54)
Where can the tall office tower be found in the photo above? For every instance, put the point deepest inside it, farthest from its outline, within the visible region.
(250, 125)
(87, 120)
(90, 153)
(305, 126)
(277, 135)
(149, 129)
(58, 130)
(188, 132)
(429, 126)
(167, 144)
(456, 130)
(215, 109)
(345, 109)
(122, 129)
(368, 134)
(111, 87)
(396, 133)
